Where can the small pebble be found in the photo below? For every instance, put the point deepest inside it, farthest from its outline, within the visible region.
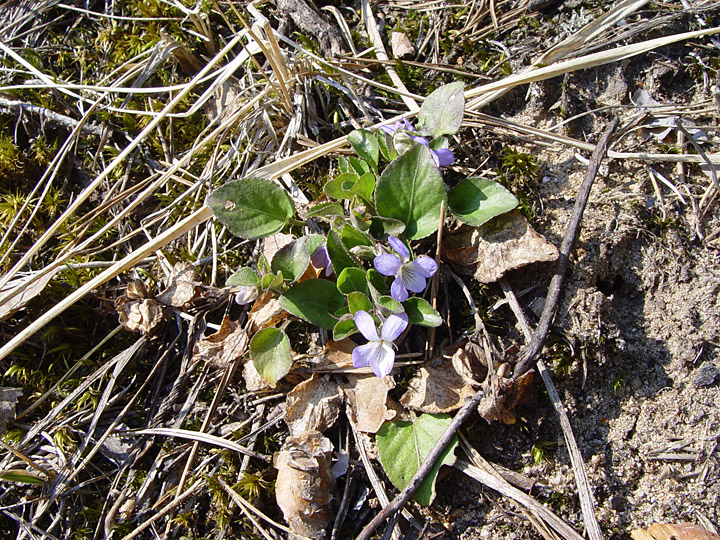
(706, 375)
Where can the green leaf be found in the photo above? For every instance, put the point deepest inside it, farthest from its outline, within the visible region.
(245, 276)
(388, 302)
(313, 300)
(381, 228)
(358, 301)
(403, 446)
(325, 209)
(377, 283)
(365, 145)
(364, 187)
(270, 353)
(336, 188)
(270, 281)
(251, 208)
(344, 328)
(312, 242)
(351, 237)
(411, 190)
(343, 165)
(442, 111)
(292, 259)
(386, 148)
(478, 200)
(420, 312)
(21, 476)
(340, 256)
(352, 279)
(359, 166)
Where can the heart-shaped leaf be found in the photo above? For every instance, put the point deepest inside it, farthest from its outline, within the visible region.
(313, 300)
(403, 446)
(252, 207)
(244, 276)
(293, 259)
(420, 312)
(358, 301)
(352, 279)
(270, 353)
(325, 209)
(442, 111)
(477, 200)
(411, 190)
(340, 255)
(344, 328)
(365, 145)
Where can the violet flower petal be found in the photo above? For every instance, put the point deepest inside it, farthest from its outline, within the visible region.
(398, 290)
(444, 157)
(362, 354)
(393, 326)
(412, 277)
(426, 266)
(399, 248)
(387, 264)
(366, 325)
(383, 360)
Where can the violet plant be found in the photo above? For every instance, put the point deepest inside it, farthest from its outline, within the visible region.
(364, 274)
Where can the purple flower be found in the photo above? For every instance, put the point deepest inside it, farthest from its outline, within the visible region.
(409, 275)
(403, 136)
(321, 259)
(378, 353)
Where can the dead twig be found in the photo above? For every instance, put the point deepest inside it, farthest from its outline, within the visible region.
(551, 303)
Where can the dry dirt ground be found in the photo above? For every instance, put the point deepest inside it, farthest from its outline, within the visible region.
(641, 310)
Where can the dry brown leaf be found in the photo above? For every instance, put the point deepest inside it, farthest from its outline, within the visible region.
(313, 405)
(339, 354)
(265, 313)
(503, 244)
(440, 387)
(368, 399)
(253, 380)
(183, 286)
(304, 484)
(227, 344)
(502, 396)
(401, 45)
(8, 400)
(15, 303)
(670, 531)
(141, 315)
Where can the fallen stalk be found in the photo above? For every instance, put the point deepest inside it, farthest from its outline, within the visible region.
(548, 314)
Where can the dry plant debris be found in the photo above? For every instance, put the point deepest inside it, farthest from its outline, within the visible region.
(127, 127)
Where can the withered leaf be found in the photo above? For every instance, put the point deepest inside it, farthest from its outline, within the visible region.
(10, 301)
(439, 387)
(183, 286)
(502, 244)
(8, 400)
(502, 396)
(368, 399)
(304, 485)
(142, 315)
(313, 405)
(253, 380)
(224, 346)
(671, 531)
(266, 313)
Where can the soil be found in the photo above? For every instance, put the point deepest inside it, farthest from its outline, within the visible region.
(641, 311)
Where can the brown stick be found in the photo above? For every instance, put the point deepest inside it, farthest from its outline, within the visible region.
(424, 469)
(551, 303)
